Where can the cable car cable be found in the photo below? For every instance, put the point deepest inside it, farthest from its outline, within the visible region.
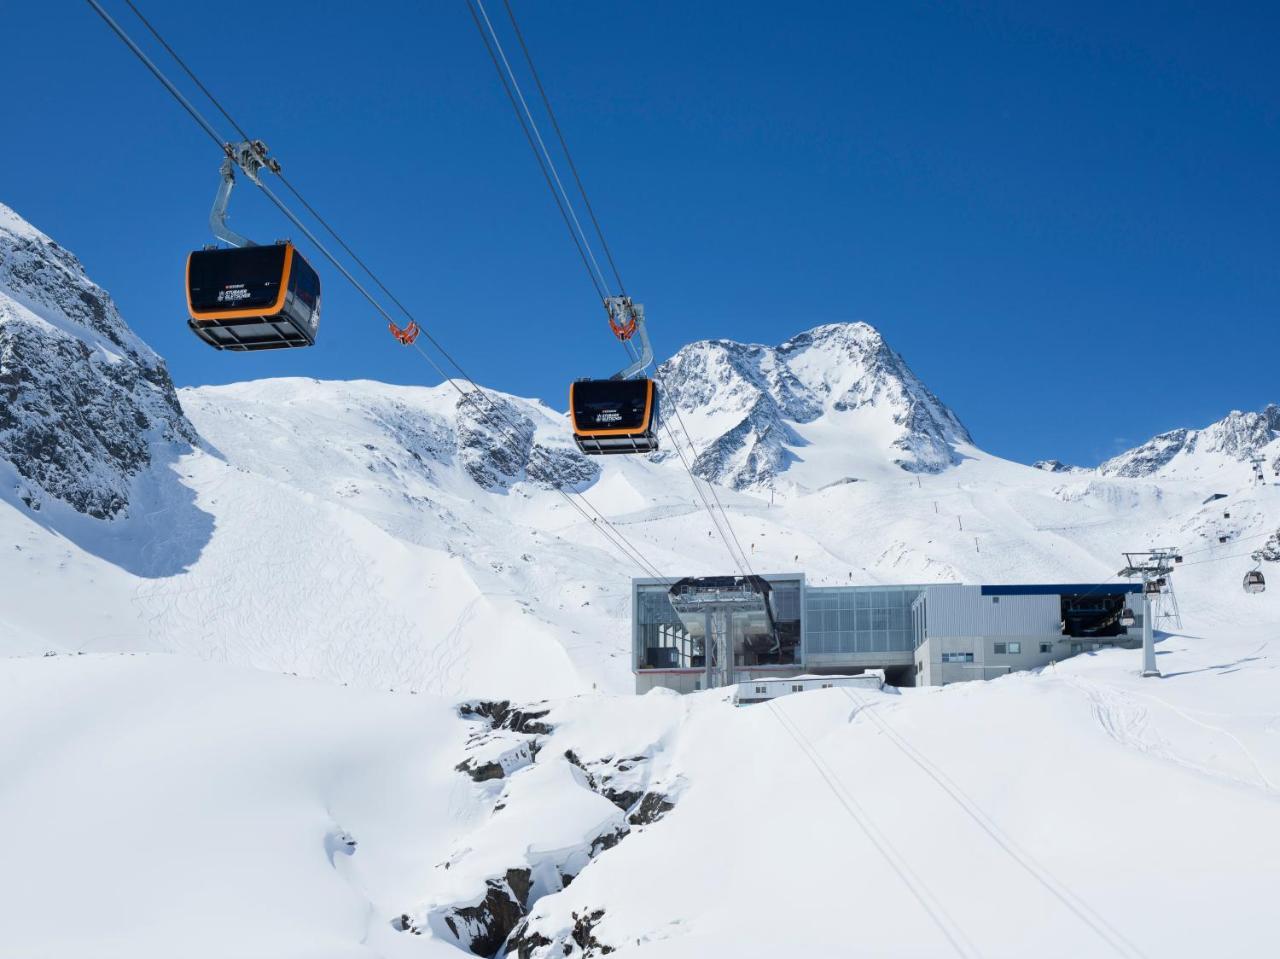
(611, 532)
(177, 94)
(573, 167)
(186, 69)
(545, 162)
(541, 156)
(515, 83)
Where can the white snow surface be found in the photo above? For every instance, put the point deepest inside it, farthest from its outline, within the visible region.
(259, 661)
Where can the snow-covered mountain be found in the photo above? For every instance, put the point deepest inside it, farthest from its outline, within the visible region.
(436, 753)
(821, 408)
(87, 406)
(1230, 445)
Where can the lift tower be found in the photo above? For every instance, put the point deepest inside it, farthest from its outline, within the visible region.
(1155, 569)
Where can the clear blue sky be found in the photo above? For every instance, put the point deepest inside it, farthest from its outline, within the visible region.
(1066, 217)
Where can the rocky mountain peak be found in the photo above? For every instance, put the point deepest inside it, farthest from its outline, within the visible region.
(747, 403)
(1238, 437)
(82, 399)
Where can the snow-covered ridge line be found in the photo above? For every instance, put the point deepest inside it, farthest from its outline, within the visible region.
(1237, 438)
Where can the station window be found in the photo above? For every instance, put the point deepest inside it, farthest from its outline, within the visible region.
(1046, 647)
(959, 657)
(760, 689)
(797, 689)
(1015, 648)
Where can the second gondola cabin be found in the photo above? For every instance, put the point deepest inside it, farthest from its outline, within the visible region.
(614, 416)
(253, 297)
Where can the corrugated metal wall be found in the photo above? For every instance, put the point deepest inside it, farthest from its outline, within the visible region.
(963, 611)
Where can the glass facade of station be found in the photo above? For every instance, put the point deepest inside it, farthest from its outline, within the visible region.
(663, 641)
(859, 619)
(822, 622)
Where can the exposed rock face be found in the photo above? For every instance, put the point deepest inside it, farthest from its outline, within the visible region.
(497, 447)
(1056, 466)
(1236, 437)
(83, 402)
(484, 927)
(1270, 550)
(764, 393)
(578, 941)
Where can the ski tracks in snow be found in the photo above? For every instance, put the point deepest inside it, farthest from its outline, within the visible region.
(992, 831)
(1128, 722)
(452, 652)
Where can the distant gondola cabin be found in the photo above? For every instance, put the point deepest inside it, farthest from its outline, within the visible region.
(253, 297)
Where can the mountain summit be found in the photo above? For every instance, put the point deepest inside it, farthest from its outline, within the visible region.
(755, 412)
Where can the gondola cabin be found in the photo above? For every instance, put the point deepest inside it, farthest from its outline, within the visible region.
(1254, 582)
(614, 416)
(253, 297)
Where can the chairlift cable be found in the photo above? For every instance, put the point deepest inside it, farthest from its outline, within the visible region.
(608, 530)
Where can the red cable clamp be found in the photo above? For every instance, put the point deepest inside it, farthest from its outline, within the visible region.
(625, 330)
(407, 335)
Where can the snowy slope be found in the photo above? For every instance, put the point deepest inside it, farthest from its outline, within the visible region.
(383, 545)
(388, 536)
(1058, 814)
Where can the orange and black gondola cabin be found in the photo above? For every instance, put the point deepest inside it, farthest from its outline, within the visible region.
(253, 297)
(614, 416)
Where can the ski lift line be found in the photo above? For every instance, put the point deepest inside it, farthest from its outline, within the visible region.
(601, 292)
(919, 891)
(1214, 546)
(515, 83)
(608, 530)
(1054, 886)
(573, 167)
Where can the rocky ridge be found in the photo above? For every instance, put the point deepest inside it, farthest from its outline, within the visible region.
(84, 404)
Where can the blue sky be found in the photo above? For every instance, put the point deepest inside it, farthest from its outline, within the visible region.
(1065, 217)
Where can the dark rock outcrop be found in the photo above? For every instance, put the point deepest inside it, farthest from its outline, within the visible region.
(83, 402)
(485, 926)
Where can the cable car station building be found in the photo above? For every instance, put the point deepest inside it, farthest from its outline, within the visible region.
(705, 632)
